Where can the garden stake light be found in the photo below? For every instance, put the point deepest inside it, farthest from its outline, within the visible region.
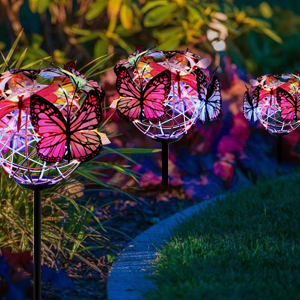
(163, 93)
(273, 100)
(45, 133)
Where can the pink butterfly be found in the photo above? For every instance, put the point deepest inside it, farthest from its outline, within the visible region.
(144, 102)
(65, 138)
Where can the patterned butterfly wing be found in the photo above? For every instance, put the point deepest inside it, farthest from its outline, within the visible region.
(125, 85)
(19, 80)
(248, 109)
(156, 91)
(129, 107)
(213, 102)
(85, 143)
(32, 74)
(290, 107)
(255, 96)
(201, 84)
(170, 54)
(90, 113)
(250, 105)
(50, 124)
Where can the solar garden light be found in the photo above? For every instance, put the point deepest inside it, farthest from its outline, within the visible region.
(45, 133)
(273, 100)
(163, 93)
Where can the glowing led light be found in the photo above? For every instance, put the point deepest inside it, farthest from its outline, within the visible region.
(212, 34)
(219, 46)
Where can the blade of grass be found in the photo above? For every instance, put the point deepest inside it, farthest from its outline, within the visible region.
(91, 62)
(12, 49)
(20, 60)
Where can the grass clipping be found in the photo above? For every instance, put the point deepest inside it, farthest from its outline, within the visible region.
(244, 247)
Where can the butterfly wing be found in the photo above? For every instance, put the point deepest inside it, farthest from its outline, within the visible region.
(85, 145)
(128, 107)
(90, 113)
(84, 141)
(255, 96)
(156, 91)
(250, 105)
(213, 100)
(248, 109)
(201, 84)
(32, 74)
(19, 80)
(288, 105)
(50, 124)
(125, 86)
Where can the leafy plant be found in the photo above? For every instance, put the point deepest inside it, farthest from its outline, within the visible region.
(80, 28)
(70, 227)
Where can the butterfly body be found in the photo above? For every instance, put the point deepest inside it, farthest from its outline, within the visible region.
(67, 138)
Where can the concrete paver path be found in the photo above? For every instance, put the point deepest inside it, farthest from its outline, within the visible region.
(128, 277)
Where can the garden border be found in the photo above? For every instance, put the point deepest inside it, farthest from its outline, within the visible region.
(129, 277)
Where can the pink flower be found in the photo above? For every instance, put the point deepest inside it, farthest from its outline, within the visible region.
(224, 170)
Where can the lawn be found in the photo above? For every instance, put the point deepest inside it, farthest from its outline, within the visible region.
(246, 246)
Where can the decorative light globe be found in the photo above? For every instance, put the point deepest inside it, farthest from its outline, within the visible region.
(18, 138)
(269, 109)
(182, 104)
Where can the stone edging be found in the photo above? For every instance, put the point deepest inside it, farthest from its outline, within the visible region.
(128, 277)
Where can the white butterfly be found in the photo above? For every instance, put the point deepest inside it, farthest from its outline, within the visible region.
(210, 97)
(250, 105)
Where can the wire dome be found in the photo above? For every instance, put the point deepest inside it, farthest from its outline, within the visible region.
(269, 110)
(18, 139)
(182, 103)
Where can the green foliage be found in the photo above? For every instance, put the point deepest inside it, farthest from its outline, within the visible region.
(261, 55)
(243, 247)
(70, 227)
(117, 26)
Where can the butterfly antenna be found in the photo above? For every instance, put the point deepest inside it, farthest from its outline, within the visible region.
(152, 48)
(179, 62)
(214, 72)
(247, 88)
(50, 63)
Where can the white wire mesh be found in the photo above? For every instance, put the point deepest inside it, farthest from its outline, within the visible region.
(182, 104)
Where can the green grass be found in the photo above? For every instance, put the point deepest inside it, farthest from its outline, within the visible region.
(244, 247)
